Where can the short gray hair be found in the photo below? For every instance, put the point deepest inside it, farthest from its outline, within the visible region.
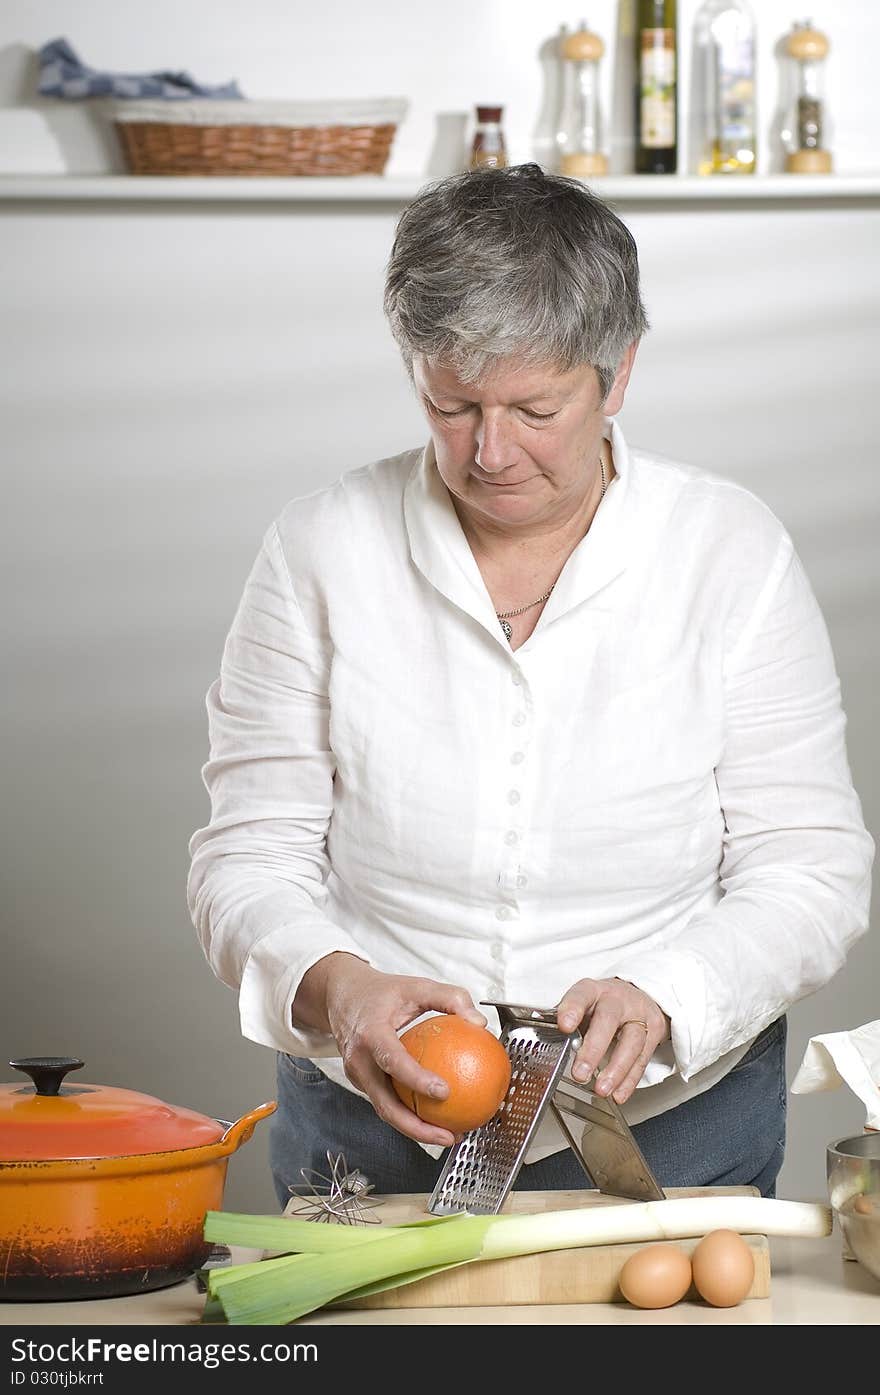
(501, 263)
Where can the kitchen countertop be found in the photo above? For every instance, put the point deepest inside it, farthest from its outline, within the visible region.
(811, 1284)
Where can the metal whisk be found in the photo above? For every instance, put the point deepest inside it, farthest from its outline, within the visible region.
(342, 1198)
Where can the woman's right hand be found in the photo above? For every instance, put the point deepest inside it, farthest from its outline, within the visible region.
(364, 1009)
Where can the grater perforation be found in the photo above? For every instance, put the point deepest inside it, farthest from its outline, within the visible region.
(483, 1165)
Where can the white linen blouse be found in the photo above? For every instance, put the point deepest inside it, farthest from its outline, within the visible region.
(654, 785)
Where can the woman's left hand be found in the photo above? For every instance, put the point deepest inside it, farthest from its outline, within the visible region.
(621, 1017)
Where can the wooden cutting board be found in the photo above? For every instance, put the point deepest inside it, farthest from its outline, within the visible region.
(587, 1275)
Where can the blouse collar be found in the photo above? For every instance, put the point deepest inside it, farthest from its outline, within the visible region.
(441, 552)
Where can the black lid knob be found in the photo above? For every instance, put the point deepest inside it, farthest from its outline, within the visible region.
(47, 1072)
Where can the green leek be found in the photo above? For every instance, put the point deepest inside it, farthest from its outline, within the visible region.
(288, 1235)
(297, 1284)
(344, 1261)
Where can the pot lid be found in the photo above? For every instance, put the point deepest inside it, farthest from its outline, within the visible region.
(50, 1119)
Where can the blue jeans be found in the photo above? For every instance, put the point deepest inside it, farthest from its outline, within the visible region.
(730, 1135)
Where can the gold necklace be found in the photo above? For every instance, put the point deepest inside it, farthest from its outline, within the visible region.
(504, 615)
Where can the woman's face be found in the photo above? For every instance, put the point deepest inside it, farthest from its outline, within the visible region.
(520, 449)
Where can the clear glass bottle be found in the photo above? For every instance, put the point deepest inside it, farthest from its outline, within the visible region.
(806, 133)
(656, 87)
(724, 88)
(581, 128)
(488, 148)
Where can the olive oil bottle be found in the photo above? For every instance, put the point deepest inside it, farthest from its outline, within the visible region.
(724, 43)
(656, 87)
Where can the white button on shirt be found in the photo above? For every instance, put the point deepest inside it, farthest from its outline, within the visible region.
(688, 821)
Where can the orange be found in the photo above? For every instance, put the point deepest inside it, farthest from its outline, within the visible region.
(470, 1059)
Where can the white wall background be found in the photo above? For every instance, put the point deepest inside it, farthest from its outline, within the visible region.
(172, 374)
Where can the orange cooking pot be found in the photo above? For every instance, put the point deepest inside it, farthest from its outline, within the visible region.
(103, 1191)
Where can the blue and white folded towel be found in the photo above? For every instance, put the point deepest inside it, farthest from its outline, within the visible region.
(63, 75)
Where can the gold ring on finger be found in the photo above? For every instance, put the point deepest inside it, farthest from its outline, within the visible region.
(635, 1022)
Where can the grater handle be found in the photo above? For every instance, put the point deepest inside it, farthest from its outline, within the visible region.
(519, 1015)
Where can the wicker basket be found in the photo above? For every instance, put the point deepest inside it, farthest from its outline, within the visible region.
(257, 138)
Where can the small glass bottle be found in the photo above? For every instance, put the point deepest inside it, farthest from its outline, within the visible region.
(580, 122)
(488, 149)
(724, 41)
(806, 133)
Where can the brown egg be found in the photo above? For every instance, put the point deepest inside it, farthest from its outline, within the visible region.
(655, 1277)
(724, 1268)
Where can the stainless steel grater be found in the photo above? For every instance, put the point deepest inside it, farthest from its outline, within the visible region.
(482, 1167)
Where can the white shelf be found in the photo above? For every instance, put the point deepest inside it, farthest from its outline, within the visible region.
(655, 189)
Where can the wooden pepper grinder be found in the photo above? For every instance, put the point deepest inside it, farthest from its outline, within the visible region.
(580, 122)
(806, 126)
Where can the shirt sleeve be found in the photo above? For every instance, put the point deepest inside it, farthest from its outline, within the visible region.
(796, 859)
(258, 870)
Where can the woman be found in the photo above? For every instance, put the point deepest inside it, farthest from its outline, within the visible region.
(526, 716)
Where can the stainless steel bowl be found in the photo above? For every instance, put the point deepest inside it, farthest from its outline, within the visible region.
(852, 1167)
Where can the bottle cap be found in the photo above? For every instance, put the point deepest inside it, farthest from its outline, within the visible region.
(489, 113)
(583, 46)
(805, 43)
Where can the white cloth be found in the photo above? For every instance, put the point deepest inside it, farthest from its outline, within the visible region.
(844, 1058)
(655, 785)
